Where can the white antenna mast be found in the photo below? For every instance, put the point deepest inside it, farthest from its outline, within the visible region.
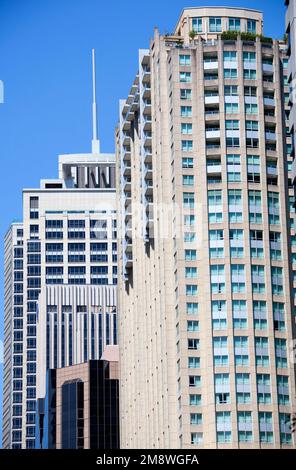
(95, 141)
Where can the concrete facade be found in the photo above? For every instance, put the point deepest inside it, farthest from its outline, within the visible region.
(205, 269)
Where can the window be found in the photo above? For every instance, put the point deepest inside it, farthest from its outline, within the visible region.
(249, 56)
(258, 279)
(285, 428)
(215, 206)
(238, 281)
(218, 279)
(279, 316)
(241, 350)
(192, 308)
(263, 389)
(250, 74)
(197, 25)
(230, 73)
(231, 108)
(188, 200)
(273, 208)
(215, 25)
(256, 243)
(194, 381)
(195, 418)
(239, 312)
(232, 125)
(275, 246)
(34, 205)
(281, 353)
(185, 77)
(232, 142)
(193, 362)
(187, 145)
(192, 325)
(255, 207)
(262, 351)
(234, 24)
(251, 26)
(190, 255)
(185, 59)
(236, 243)
(193, 344)
(187, 163)
(283, 390)
(244, 424)
(194, 400)
(243, 388)
(235, 205)
(259, 312)
(251, 108)
(265, 427)
(253, 168)
(220, 351)
(222, 390)
(185, 94)
(231, 90)
(186, 129)
(223, 425)
(277, 280)
(233, 168)
(230, 56)
(191, 290)
(252, 125)
(191, 273)
(186, 111)
(219, 315)
(216, 244)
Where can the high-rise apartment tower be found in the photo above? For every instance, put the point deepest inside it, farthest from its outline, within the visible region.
(206, 281)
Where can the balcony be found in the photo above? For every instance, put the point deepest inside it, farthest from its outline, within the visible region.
(267, 68)
(149, 187)
(126, 125)
(149, 203)
(128, 199)
(128, 260)
(147, 123)
(126, 153)
(126, 138)
(128, 230)
(211, 63)
(147, 107)
(146, 74)
(127, 183)
(127, 169)
(270, 102)
(128, 214)
(211, 77)
(147, 155)
(147, 139)
(146, 91)
(212, 98)
(214, 168)
(270, 136)
(148, 170)
(212, 114)
(272, 170)
(252, 134)
(213, 133)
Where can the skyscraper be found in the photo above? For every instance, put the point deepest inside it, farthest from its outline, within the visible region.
(205, 270)
(61, 273)
(291, 73)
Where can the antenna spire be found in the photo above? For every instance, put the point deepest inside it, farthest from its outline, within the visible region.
(95, 141)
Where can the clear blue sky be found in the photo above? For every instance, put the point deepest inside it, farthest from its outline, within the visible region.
(45, 60)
